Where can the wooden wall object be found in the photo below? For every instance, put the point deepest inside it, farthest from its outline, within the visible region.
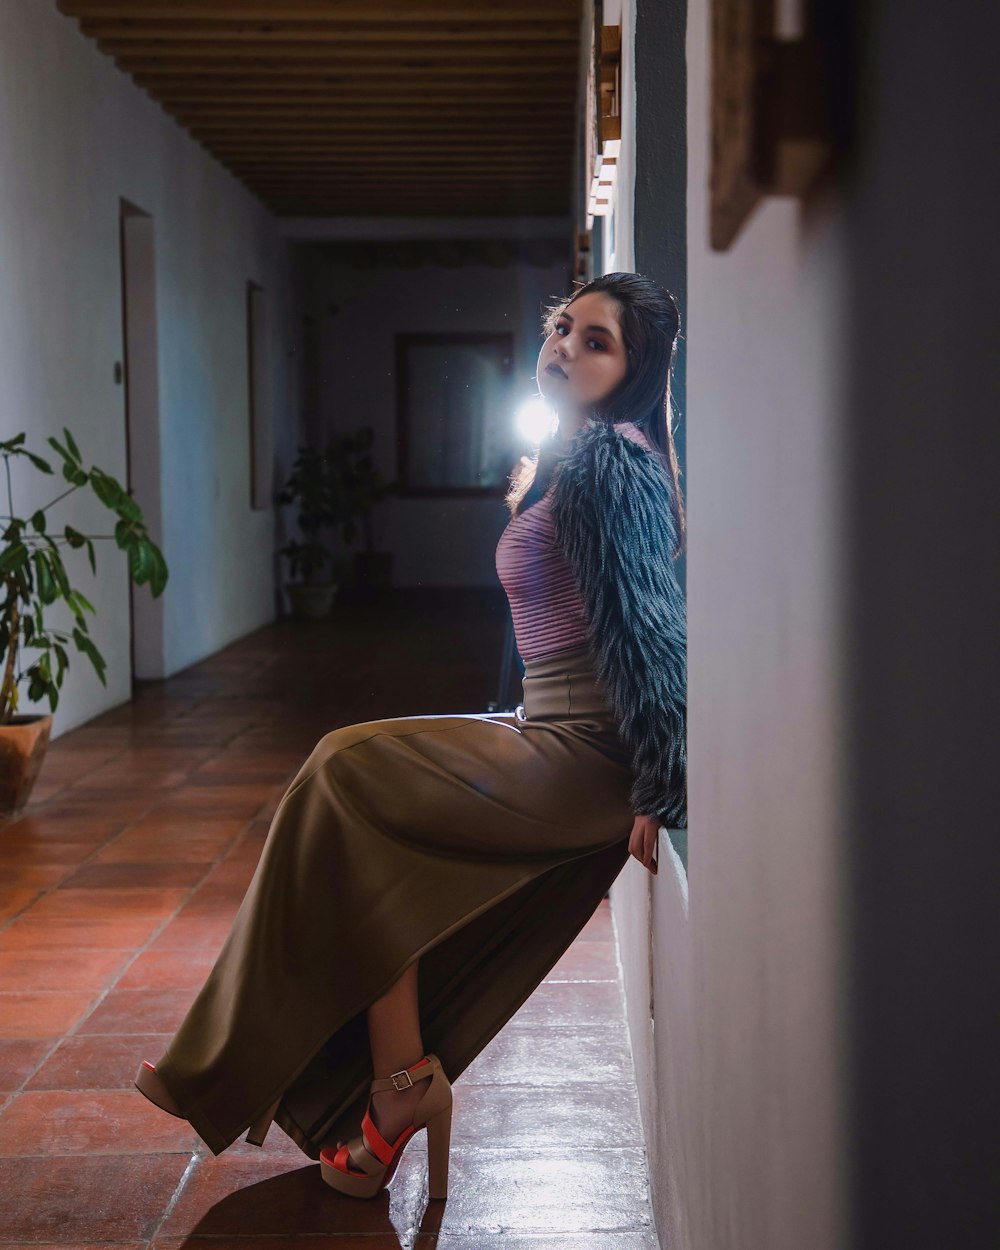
(771, 126)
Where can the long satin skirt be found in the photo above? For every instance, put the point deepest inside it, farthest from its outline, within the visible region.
(480, 844)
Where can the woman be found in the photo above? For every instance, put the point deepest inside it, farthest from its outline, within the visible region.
(422, 874)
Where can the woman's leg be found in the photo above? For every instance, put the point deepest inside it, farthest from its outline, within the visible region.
(394, 1035)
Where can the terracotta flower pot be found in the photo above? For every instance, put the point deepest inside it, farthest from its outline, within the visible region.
(373, 568)
(311, 602)
(23, 743)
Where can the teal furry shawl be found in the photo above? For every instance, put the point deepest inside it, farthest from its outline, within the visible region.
(611, 506)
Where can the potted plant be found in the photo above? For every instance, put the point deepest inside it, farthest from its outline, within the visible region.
(336, 490)
(33, 577)
(310, 487)
(362, 486)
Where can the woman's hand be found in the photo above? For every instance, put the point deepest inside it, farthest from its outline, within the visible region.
(642, 841)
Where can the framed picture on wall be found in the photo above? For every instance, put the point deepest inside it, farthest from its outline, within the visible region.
(454, 414)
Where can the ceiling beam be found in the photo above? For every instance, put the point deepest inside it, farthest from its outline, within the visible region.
(333, 10)
(375, 99)
(395, 53)
(315, 166)
(361, 125)
(155, 71)
(320, 146)
(374, 121)
(375, 31)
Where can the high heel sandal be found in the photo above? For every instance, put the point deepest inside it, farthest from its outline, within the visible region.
(149, 1082)
(366, 1164)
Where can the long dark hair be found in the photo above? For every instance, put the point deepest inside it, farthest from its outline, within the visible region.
(650, 325)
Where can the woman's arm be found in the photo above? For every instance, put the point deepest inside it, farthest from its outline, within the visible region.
(613, 520)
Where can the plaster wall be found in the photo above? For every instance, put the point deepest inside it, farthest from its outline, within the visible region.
(76, 138)
(733, 993)
(816, 1066)
(761, 1155)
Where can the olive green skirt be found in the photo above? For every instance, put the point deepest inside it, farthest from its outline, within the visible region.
(480, 844)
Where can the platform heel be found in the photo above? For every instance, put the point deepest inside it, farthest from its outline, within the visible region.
(365, 1165)
(438, 1151)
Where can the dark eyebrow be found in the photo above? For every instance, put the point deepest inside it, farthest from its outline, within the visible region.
(603, 329)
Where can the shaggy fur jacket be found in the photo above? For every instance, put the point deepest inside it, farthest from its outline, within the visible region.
(611, 507)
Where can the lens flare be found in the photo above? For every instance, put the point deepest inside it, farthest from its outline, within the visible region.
(536, 420)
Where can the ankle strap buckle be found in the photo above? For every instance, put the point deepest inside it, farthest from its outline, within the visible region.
(407, 1080)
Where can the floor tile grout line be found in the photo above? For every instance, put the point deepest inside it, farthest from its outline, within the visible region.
(173, 1199)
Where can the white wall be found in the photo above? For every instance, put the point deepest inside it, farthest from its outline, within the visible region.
(436, 542)
(831, 1082)
(76, 136)
(734, 1008)
(766, 345)
(766, 790)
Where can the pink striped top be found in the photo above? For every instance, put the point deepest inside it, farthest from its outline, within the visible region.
(544, 598)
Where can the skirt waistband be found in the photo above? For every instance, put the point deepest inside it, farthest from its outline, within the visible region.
(563, 686)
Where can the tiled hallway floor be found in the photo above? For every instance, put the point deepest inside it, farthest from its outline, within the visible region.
(117, 886)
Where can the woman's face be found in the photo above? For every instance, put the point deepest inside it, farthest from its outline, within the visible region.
(583, 359)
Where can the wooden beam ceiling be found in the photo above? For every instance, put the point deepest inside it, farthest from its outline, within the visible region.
(339, 107)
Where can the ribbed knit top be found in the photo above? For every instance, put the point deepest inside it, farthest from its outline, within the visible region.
(544, 598)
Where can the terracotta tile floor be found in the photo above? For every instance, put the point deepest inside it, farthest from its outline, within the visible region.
(117, 886)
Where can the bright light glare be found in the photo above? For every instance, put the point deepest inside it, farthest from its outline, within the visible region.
(536, 420)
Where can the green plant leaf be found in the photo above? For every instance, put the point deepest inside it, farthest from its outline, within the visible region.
(140, 566)
(41, 683)
(37, 689)
(143, 563)
(79, 603)
(11, 443)
(38, 521)
(71, 444)
(85, 645)
(54, 442)
(160, 572)
(105, 488)
(128, 507)
(47, 591)
(123, 534)
(39, 463)
(74, 537)
(90, 556)
(13, 557)
(22, 583)
(59, 572)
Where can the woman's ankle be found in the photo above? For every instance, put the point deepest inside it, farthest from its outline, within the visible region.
(398, 1061)
(392, 1110)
